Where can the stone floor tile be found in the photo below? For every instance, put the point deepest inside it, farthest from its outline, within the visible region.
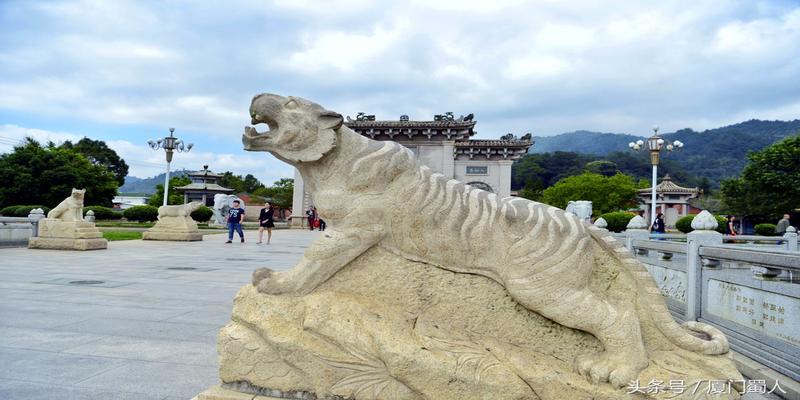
(50, 367)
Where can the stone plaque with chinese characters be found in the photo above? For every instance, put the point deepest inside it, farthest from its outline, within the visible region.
(671, 282)
(770, 313)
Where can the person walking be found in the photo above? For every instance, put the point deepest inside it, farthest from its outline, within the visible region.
(658, 224)
(266, 221)
(235, 218)
(730, 228)
(312, 217)
(321, 224)
(783, 225)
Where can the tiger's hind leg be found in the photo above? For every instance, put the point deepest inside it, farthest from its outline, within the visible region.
(624, 355)
(557, 287)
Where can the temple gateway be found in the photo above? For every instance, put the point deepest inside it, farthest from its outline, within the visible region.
(203, 187)
(444, 145)
(671, 199)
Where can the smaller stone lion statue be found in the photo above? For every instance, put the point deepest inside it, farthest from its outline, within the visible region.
(178, 211)
(71, 209)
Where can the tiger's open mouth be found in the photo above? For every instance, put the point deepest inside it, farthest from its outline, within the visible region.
(258, 119)
(252, 135)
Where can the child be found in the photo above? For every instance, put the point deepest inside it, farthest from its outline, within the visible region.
(235, 219)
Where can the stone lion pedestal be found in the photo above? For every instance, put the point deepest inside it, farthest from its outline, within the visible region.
(56, 234)
(175, 224)
(65, 228)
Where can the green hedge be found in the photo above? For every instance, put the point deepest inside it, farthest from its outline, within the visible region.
(684, 224)
(8, 211)
(765, 230)
(618, 220)
(202, 214)
(21, 211)
(103, 213)
(141, 213)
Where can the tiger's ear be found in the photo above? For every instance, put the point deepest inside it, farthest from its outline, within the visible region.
(327, 124)
(330, 120)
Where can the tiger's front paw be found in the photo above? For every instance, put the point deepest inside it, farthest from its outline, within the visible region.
(260, 275)
(275, 283)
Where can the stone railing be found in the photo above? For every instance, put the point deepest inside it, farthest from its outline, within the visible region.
(788, 242)
(750, 293)
(15, 231)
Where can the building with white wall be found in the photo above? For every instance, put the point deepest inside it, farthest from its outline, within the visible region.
(671, 199)
(124, 201)
(445, 146)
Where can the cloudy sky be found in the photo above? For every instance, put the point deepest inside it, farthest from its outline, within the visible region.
(125, 71)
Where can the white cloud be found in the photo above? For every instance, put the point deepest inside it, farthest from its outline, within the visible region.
(542, 66)
(144, 162)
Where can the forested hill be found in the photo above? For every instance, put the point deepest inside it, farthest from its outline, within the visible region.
(146, 185)
(585, 142)
(714, 153)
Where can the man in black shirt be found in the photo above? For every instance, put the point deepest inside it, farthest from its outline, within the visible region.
(235, 219)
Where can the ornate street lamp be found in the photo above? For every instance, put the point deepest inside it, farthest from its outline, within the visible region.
(170, 144)
(654, 145)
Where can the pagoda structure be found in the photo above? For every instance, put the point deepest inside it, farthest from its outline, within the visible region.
(671, 199)
(203, 187)
(444, 145)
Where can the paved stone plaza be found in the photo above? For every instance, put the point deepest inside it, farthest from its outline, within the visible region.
(148, 331)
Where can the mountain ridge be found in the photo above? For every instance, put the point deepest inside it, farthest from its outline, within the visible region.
(717, 153)
(135, 184)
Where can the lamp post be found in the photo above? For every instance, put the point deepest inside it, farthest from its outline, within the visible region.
(654, 145)
(170, 144)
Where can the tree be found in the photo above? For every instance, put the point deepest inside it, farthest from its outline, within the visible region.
(33, 174)
(279, 194)
(175, 197)
(542, 170)
(98, 153)
(602, 167)
(547, 168)
(248, 184)
(607, 194)
(769, 184)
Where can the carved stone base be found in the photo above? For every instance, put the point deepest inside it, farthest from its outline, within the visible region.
(179, 229)
(217, 392)
(67, 243)
(172, 236)
(54, 228)
(387, 328)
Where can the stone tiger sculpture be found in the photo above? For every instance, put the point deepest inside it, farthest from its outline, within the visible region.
(375, 193)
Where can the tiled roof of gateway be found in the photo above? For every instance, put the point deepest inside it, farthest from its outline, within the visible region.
(494, 143)
(668, 186)
(410, 124)
(204, 186)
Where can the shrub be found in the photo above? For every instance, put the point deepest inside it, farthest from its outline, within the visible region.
(101, 212)
(618, 220)
(8, 211)
(684, 224)
(141, 213)
(202, 214)
(21, 211)
(765, 229)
